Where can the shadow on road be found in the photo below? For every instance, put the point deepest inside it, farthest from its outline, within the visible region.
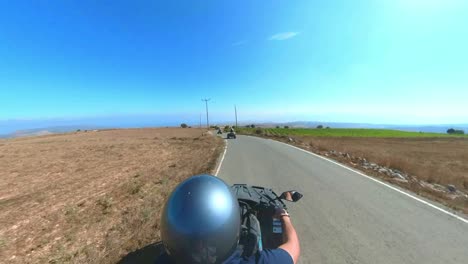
(146, 255)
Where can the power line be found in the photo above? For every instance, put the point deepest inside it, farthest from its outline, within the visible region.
(207, 119)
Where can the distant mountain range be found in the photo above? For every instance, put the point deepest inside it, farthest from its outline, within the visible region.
(47, 131)
(16, 127)
(24, 131)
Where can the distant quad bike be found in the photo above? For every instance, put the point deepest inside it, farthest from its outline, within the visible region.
(231, 135)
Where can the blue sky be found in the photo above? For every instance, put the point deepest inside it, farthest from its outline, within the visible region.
(376, 61)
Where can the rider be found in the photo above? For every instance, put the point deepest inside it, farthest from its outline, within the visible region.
(200, 223)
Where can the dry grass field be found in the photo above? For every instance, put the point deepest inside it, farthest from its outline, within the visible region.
(92, 197)
(435, 160)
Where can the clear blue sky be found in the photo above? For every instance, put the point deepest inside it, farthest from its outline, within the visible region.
(379, 61)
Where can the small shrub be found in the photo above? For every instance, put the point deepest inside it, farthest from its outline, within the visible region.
(319, 127)
(286, 127)
(135, 188)
(433, 179)
(105, 203)
(2, 242)
(183, 125)
(259, 131)
(322, 148)
(164, 181)
(146, 214)
(455, 131)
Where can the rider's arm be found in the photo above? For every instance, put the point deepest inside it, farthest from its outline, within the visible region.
(290, 239)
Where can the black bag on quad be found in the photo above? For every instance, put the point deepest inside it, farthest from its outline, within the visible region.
(250, 241)
(258, 228)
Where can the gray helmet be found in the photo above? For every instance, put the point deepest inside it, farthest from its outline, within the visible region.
(200, 222)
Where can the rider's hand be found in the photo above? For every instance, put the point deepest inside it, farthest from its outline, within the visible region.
(287, 196)
(280, 212)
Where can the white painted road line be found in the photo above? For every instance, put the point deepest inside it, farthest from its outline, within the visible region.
(380, 182)
(222, 158)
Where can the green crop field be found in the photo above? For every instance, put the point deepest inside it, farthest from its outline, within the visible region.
(341, 132)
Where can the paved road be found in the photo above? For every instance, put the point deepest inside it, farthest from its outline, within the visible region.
(345, 217)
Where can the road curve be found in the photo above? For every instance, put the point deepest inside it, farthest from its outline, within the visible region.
(345, 217)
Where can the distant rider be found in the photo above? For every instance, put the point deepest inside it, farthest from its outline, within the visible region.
(200, 223)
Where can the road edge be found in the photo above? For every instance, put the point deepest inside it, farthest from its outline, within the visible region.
(221, 159)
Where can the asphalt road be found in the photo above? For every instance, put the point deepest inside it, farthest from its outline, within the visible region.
(344, 217)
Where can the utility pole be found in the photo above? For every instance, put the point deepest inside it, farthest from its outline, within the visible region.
(200, 122)
(235, 111)
(206, 105)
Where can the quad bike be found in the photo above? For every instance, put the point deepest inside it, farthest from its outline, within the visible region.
(231, 135)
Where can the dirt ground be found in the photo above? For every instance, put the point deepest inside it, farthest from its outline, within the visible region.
(438, 161)
(92, 197)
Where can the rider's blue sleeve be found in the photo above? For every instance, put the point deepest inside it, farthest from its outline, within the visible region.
(163, 259)
(278, 255)
(267, 256)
